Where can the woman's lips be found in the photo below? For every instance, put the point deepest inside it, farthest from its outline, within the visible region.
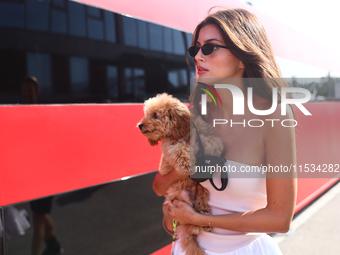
(201, 70)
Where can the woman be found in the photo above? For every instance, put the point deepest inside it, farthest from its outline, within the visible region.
(249, 207)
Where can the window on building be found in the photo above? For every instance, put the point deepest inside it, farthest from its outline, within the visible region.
(112, 81)
(96, 30)
(37, 14)
(134, 84)
(189, 39)
(59, 3)
(110, 26)
(12, 14)
(77, 19)
(79, 74)
(178, 77)
(39, 66)
(142, 34)
(155, 37)
(58, 22)
(130, 31)
(179, 44)
(168, 40)
(95, 23)
(139, 84)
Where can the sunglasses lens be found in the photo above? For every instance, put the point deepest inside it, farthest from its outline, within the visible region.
(208, 48)
(193, 50)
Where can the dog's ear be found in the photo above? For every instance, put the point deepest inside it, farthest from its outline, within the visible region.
(152, 142)
(180, 121)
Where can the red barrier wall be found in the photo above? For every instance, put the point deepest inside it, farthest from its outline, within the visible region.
(49, 149)
(317, 142)
(56, 148)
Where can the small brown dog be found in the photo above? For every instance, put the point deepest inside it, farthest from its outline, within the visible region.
(168, 120)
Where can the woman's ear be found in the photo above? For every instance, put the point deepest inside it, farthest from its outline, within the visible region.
(242, 65)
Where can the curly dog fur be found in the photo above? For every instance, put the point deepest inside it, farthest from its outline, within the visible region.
(168, 120)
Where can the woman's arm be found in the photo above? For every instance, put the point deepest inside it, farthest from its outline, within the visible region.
(162, 183)
(281, 190)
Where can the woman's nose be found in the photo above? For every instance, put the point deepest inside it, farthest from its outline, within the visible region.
(199, 56)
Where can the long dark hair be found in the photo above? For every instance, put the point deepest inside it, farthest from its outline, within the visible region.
(248, 41)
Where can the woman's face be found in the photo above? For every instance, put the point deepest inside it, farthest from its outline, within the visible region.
(221, 63)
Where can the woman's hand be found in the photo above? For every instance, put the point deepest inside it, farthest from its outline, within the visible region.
(182, 212)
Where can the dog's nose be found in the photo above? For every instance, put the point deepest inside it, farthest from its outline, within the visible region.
(140, 126)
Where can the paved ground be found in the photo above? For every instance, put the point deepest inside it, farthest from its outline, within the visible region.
(123, 217)
(317, 229)
(99, 221)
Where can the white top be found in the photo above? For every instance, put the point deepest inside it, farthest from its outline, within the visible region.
(241, 195)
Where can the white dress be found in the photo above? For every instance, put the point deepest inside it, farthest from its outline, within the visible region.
(241, 195)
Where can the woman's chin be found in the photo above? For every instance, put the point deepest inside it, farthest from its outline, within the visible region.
(203, 75)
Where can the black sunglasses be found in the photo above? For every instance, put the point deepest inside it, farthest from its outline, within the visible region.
(207, 49)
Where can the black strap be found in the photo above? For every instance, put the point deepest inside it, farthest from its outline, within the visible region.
(224, 181)
(224, 175)
(199, 141)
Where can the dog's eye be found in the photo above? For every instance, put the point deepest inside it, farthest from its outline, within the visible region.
(154, 116)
